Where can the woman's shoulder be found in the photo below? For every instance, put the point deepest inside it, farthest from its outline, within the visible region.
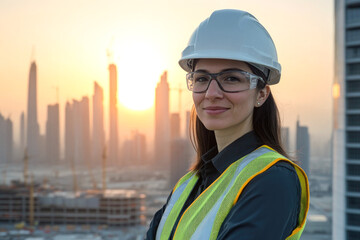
(280, 179)
(279, 172)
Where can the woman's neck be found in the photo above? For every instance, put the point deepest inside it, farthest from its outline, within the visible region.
(226, 136)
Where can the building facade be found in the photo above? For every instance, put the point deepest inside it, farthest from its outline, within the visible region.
(53, 134)
(134, 149)
(175, 128)
(285, 138)
(82, 152)
(98, 133)
(303, 147)
(22, 133)
(180, 156)
(113, 132)
(69, 133)
(120, 208)
(6, 140)
(346, 125)
(77, 132)
(162, 124)
(33, 131)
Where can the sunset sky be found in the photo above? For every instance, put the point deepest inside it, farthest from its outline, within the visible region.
(69, 39)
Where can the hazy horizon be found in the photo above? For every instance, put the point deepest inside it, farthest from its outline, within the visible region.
(71, 40)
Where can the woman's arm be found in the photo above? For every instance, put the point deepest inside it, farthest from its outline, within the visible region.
(268, 208)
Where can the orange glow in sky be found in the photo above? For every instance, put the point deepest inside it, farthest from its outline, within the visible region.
(71, 38)
(137, 82)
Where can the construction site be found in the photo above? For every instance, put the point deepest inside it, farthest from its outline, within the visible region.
(36, 205)
(30, 208)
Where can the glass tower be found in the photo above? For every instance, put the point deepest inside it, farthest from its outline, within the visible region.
(346, 125)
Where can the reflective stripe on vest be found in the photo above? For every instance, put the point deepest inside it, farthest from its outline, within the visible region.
(204, 217)
(179, 195)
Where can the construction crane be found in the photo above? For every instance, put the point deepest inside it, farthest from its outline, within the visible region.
(31, 201)
(26, 160)
(104, 169)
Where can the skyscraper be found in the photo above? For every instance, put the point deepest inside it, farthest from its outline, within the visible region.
(81, 129)
(139, 147)
(33, 131)
(134, 149)
(175, 126)
(6, 140)
(77, 132)
(69, 133)
(180, 159)
(303, 147)
(22, 132)
(179, 151)
(162, 124)
(10, 139)
(113, 133)
(187, 125)
(98, 134)
(53, 134)
(346, 125)
(285, 138)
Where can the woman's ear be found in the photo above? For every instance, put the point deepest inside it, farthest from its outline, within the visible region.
(262, 95)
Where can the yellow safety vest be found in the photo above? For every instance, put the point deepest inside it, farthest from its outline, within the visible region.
(204, 217)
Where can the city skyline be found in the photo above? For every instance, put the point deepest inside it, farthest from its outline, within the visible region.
(153, 45)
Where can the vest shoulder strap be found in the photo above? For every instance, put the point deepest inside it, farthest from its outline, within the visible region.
(179, 195)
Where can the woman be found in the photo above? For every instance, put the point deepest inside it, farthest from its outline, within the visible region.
(242, 186)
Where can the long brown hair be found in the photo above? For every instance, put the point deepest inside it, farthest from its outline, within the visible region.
(266, 124)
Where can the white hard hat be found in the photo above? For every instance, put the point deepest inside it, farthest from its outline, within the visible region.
(234, 35)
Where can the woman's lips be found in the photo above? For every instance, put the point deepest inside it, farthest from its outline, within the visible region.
(215, 110)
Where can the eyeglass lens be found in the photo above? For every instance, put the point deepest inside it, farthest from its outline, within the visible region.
(230, 81)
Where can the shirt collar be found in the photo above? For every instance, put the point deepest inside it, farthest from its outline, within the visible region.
(233, 152)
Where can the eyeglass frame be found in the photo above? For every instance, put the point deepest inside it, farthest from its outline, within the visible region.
(253, 79)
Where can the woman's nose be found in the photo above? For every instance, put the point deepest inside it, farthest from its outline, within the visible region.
(214, 90)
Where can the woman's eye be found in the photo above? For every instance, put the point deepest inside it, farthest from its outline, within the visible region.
(201, 79)
(232, 79)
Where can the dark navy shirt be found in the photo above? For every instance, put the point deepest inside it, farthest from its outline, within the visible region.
(268, 207)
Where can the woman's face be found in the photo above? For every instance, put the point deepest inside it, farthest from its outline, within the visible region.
(220, 110)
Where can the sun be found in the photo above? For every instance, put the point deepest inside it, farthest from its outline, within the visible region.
(139, 69)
